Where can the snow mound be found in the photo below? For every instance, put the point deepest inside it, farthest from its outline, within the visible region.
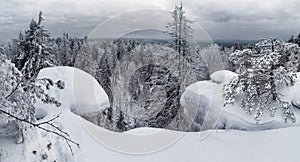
(222, 76)
(82, 93)
(201, 88)
(143, 131)
(295, 92)
(296, 101)
(206, 99)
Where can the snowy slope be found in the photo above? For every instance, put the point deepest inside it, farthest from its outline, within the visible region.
(101, 145)
(146, 144)
(218, 146)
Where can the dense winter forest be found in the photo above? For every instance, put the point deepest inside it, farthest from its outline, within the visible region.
(175, 84)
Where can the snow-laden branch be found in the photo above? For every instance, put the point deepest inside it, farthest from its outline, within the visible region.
(58, 131)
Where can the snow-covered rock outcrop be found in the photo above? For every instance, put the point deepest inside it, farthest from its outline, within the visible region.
(296, 101)
(82, 93)
(222, 76)
(206, 98)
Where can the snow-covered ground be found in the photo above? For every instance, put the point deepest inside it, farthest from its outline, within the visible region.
(149, 144)
(273, 145)
(233, 116)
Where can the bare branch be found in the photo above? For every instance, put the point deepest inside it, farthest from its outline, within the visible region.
(59, 132)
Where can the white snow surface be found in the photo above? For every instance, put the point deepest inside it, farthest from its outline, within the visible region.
(233, 116)
(148, 144)
(296, 101)
(295, 92)
(82, 93)
(222, 76)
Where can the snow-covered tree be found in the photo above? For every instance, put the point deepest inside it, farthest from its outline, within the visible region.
(85, 60)
(181, 32)
(35, 54)
(262, 71)
(225, 53)
(212, 56)
(2, 50)
(121, 123)
(17, 97)
(13, 48)
(66, 49)
(295, 40)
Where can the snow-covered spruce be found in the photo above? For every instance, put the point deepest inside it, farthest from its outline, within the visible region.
(33, 53)
(262, 72)
(85, 60)
(181, 32)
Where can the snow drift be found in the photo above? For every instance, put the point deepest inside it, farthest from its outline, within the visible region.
(214, 115)
(222, 76)
(82, 93)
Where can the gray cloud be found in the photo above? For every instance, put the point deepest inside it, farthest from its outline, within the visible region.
(247, 19)
(230, 19)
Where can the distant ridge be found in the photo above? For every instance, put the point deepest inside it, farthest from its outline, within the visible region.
(231, 42)
(163, 37)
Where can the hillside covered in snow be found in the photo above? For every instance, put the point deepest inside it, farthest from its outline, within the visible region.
(143, 81)
(97, 143)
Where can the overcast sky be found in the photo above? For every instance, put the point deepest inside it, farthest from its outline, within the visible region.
(222, 19)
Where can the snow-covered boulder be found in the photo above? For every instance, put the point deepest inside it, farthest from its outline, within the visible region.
(295, 99)
(222, 76)
(296, 102)
(82, 93)
(196, 107)
(206, 100)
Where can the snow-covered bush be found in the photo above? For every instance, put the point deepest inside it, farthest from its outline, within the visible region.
(16, 104)
(18, 95)
(262, 71)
